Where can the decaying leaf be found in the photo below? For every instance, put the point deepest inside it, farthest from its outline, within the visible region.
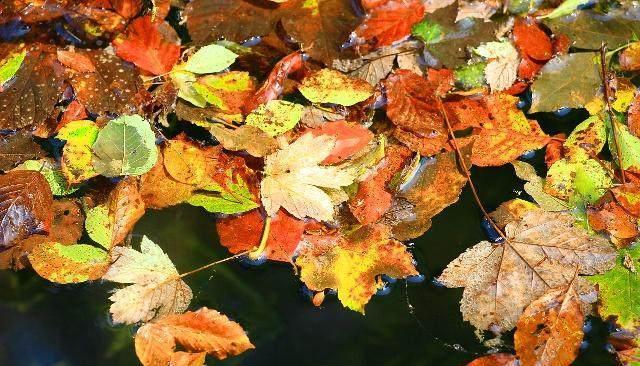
(543, 251)
(154, 285)
(331, 86)
(72, 263)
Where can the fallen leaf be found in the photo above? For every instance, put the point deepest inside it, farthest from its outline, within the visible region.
(210, 59)
(243, 232)
(350, 139)
(76, 154)
(542, 251)
(17, 148)
(159, 189)
(204, 330)
(390, 22)
(154, 286)
(496, 359)
(252, 139)
(613, 219)
(293, 179)
(630, 58)
(549, 331)
(351, 264)
(52, 173)
(531, 40)
(226, 92)
(535, 188)
(73, 263)
(152, 46)
(126, 207)
(331, 86)
(275, 117)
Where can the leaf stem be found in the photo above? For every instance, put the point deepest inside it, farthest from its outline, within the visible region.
(213, 264)
(263, 241)
(607, 100)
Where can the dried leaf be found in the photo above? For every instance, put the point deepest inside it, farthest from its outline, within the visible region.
(126, 207)
(252, 139)
(331, 86)
(17, 148)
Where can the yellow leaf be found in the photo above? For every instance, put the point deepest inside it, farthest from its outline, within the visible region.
(331, 86)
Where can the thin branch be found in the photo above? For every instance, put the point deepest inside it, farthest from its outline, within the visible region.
(607, 100)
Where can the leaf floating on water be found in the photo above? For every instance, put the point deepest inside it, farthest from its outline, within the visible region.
(252, 139)
(543, 251)
(154, 285)
(76, 159)
(73, 263)
(125, 146)
(18, 148)
(210, 59)
(200, 332)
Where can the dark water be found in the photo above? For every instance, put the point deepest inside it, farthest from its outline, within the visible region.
(42, 324)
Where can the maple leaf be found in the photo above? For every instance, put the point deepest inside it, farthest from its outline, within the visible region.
(204, 331)
(152, 46)
(501, 70)
(390, 22)
(241, 233)
(155, 287)
(25, 206)
(543, 250)
(322, 27)
(351, 264)
(549, 331)
(294, 180)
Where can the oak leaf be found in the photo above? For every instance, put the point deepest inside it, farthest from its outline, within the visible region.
(542, 251)
(204, 331)
(154, 285)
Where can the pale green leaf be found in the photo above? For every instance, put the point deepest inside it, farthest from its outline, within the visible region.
(98, 225)
(567, 7)
(210, 59)
(234, 198)
(68, 263)
(275, 117)
(331, 86)
(10, 66)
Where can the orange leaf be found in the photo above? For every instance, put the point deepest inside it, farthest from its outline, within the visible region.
(390, 22)
(531, 40)
(78, 61)
(243, 232)
(549, 331)
(612, 218)
(159, 190)
(554, 149)
(126, 207)
(204, 330)
(153, 47)
(496, 359)
(350, 139)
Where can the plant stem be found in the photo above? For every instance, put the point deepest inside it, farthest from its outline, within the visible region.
(263, 241)
(213, 264)
(607, 100)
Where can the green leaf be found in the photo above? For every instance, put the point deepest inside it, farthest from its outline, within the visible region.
(428, 31)
(470, 76)
(275, 117)
(570, 81)
(125, 146)
(567, 7)
(620, 289)
(629, 147)
(589, 29)
(184, 80)
(219, 89)
(535, 188)
(10, 66)
(234, 198)
(53, 175)
(210, 59)
(98, 225)
(77, 155)
(68, 263)
(588, 137)
(579, 181)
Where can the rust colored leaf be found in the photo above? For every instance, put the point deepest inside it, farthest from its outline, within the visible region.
(554, 149)
(531, 40)
(114, 87)
(390, 22)
(549, 331)
(350, 138)
(496, 359)
(613, 219)
(628, 196)
(528, 68)
(633, 116)
(126, 207)
(153, 47)
(75, 111)
(159, 190)
(352, 264)
(204, 330)
(25, 206)
(243, 232)
(76, 60)
(630, 58)
(322, 27)
(29, 97)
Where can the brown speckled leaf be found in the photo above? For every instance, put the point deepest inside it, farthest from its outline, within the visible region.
(30, 96)
(204, 330)
(549, 332)
(25, 206)
(17, 148)
(544, 251)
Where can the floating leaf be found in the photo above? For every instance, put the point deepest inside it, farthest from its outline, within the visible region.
(293, 179)
(569, 81)
(350, 139)
(69, 263)
(227, 91)
(535, 188)
(98, 226)
(53, 175)
(331, 86)
(155, 288)
(496, 359)
(252, 139)
(125, 209)
(351, 264)
(204, 331)
(77, 155)
(25, 206)
(125, 146)
(629, 147)
(390, 22)
(275, 117)
(543, 251)
(233, 197)
(159, 190)
(209, 59)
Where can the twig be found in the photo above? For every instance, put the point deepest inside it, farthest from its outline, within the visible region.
(605, 84)
(213, 264)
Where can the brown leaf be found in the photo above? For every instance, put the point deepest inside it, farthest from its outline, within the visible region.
(549, 331)
(25, 206)
(613, 219)
(159, 190)
(251, 139)
(204, 330)
(126, 207)
(543, 251)
(531, 40)
(17, 148)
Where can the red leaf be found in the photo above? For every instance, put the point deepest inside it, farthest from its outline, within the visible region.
(350, 139)
(390, 22)
(153, 47)
(554, 150)
(77, 61)
(531, 40)
(25, 206)
(75, 111)
(272, 87)
(633, 116)
(497, 359)
(241, 233)
(528, 67)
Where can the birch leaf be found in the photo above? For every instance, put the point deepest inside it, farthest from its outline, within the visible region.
(210, 59)
(154, 285)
